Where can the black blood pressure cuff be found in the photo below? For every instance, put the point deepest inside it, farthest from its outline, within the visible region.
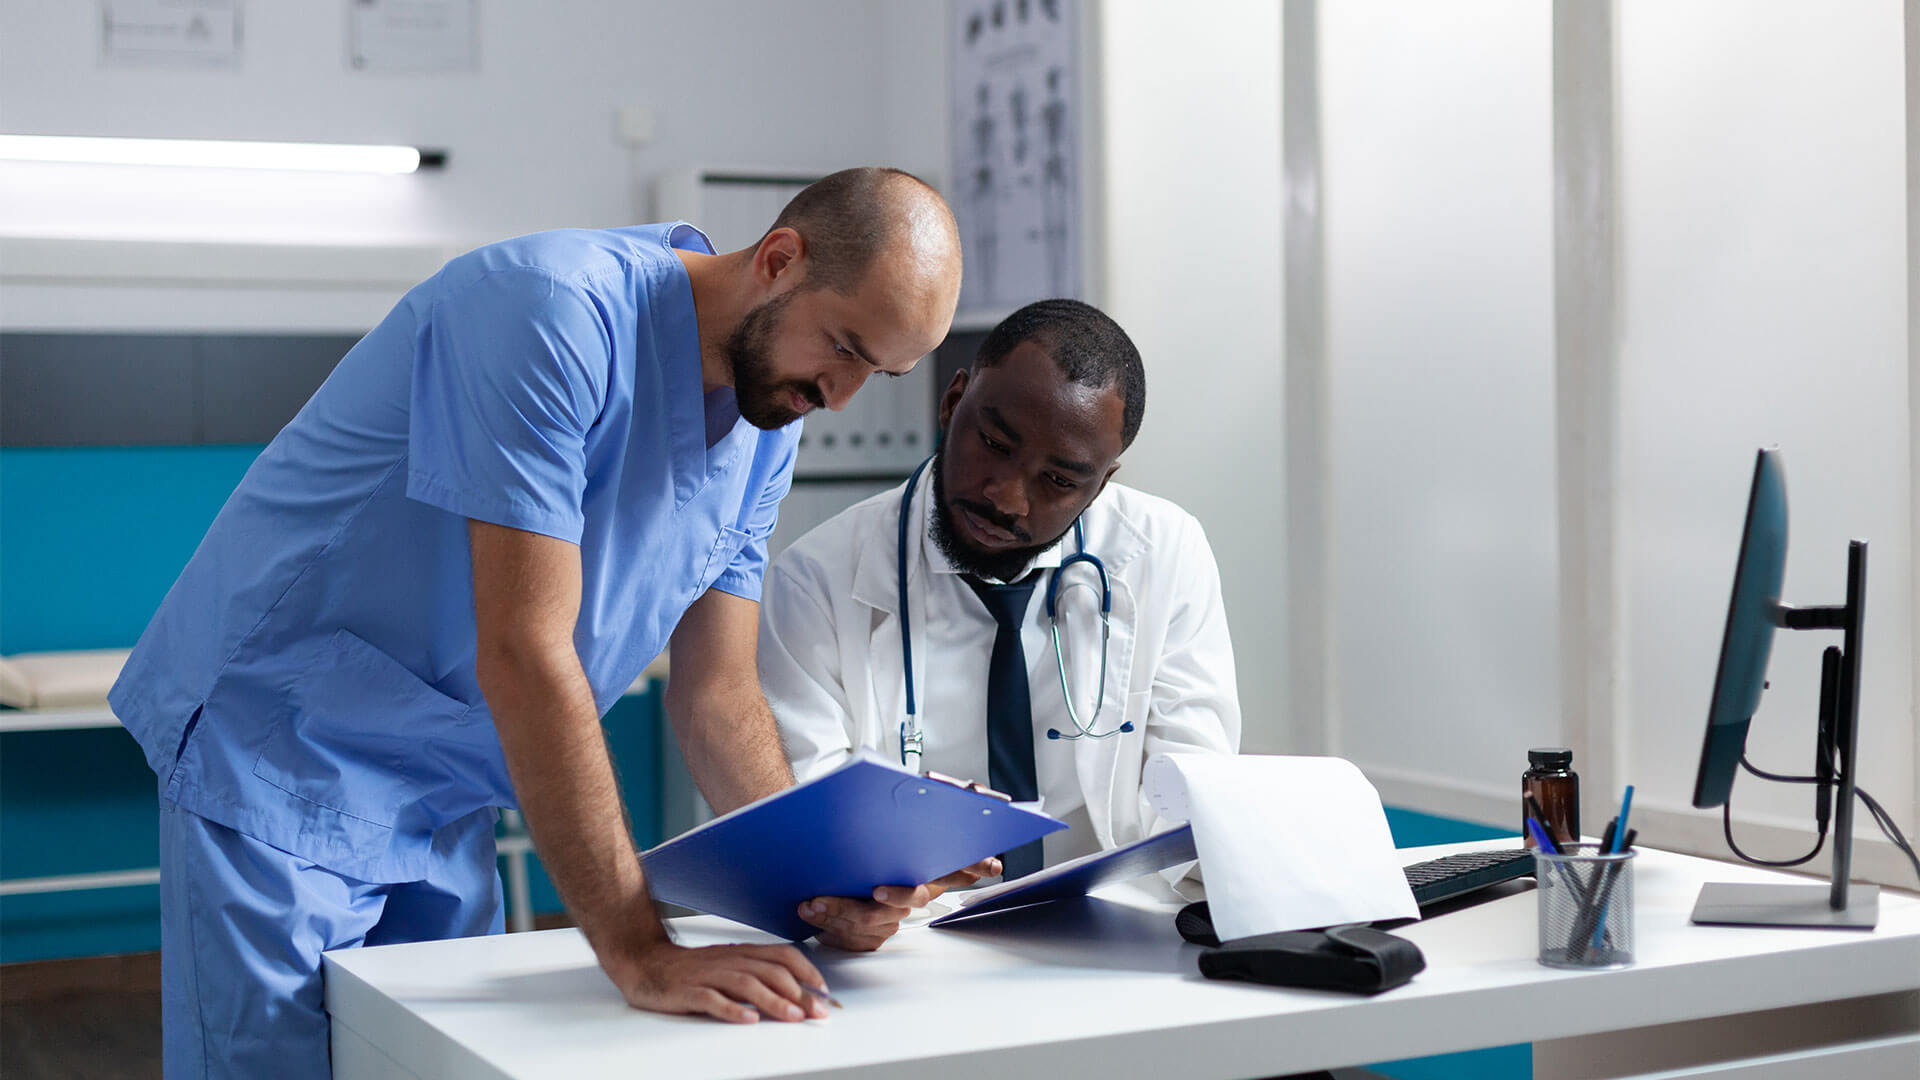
(1355, 958)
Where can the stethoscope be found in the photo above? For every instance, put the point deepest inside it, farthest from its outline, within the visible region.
(912, 739)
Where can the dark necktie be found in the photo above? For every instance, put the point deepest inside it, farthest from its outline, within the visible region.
(1010, 767)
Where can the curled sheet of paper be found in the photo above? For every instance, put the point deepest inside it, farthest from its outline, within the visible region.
(1287, 843)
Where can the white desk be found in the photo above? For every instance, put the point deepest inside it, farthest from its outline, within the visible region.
(1105, 987)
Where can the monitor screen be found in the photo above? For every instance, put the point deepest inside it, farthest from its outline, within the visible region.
(1752, 614)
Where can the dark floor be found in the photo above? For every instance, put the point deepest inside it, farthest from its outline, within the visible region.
(91, 1018)
(97, 1017)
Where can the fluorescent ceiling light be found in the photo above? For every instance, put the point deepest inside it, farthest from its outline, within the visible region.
(219, 154)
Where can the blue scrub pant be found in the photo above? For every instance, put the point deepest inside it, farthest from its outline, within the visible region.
(243, 924)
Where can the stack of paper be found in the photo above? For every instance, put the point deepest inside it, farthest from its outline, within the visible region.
(1288, 843)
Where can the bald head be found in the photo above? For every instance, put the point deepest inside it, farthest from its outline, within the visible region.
(859, 219)
(860, 274)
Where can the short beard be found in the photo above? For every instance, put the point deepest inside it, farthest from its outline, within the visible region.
(760, 397)
(963, 553)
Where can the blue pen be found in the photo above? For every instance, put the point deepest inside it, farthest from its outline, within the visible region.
(1619, 845)
(1544, 841)
(1620, 834)
(1541, 838)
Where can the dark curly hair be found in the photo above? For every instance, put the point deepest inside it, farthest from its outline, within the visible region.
(1087, 346)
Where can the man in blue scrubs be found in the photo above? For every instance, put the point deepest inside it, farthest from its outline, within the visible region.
(553, 456)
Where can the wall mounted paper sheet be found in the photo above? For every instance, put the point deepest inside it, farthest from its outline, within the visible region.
(170, 33)
(1288, 843)
(1015, 149)
(413, 37)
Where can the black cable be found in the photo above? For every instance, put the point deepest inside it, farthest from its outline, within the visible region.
(1749, 766)
(1874, 810)
(1726, 821)
(1887, 825)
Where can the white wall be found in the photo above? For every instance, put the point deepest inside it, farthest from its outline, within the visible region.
(1762, 255)
(912, 65)
(531, 134)
(1764, 267)
(1437, 139)
(1191, 161)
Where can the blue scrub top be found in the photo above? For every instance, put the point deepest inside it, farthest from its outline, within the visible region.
(309, 680)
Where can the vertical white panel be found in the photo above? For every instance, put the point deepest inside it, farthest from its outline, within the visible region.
(1763, 254)
(1191, 223)
(1912, 36)
(1438, 157)
(1587, 395)
(1440, 350)
(1309, 614)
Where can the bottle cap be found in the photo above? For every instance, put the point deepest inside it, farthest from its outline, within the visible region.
(1550, 757)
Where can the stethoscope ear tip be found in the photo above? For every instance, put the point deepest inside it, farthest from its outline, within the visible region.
(1054, 733)
(1127, 727)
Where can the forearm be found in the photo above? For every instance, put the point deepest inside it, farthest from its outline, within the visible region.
(550, 731)
(730, 741)
(526, 605)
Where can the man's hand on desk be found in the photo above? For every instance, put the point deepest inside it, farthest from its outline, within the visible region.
(863, 925)
(736, 983)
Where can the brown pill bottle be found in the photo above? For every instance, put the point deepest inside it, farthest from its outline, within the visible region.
(1551, 782)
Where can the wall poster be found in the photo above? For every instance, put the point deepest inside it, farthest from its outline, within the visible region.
(1015, 142)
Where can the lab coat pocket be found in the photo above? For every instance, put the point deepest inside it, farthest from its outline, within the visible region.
(724, 549)
(353, 742)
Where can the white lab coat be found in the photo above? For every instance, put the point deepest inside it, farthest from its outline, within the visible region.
(830, 650)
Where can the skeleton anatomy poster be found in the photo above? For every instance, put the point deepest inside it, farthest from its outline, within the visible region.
(1016, 119)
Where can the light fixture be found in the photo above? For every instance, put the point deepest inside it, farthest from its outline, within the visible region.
(220, 154)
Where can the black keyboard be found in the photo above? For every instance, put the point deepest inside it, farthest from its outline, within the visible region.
(1450, 875)
(1433, 881)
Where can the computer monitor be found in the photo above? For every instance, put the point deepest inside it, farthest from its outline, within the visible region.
(1748, 640)
(1753, 613)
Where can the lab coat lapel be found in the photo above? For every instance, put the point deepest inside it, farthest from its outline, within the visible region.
(1111, 798)
(1096, 761)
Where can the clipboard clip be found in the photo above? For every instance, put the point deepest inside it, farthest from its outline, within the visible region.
(969, 785)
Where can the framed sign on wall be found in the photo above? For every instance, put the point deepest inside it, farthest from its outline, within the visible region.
(1016, 111)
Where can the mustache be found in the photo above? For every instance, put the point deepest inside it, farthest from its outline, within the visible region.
(811, 393)
(994, 517)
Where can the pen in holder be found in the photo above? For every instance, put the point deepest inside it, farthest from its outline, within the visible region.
(1586, 907)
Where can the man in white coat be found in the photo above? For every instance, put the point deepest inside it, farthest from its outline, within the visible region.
(996, 523)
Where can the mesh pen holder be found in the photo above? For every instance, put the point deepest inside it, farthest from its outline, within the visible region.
(1586, 907)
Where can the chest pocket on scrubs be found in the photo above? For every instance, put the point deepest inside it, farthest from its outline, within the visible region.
(358, 736)
(724, 549)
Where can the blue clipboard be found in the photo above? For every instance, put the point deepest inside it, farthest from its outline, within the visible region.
(1077, 877)
(865, 824)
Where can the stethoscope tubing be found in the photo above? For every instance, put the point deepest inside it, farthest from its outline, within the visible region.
(912, 738)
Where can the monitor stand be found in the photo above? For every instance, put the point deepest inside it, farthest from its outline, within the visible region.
(1724, 903)
(1839, 904)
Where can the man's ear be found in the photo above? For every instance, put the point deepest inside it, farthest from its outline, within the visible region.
(781, 252)
(1111, 469)
(950, 400)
